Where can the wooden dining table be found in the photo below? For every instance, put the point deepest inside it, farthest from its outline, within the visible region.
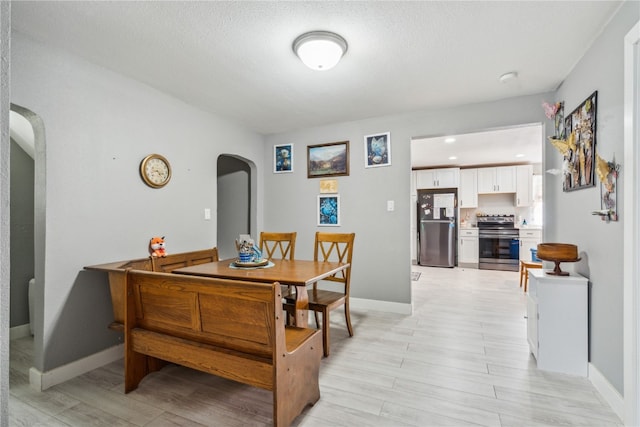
(297, 273)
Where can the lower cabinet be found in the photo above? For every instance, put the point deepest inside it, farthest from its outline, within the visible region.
(529, 239)
(468, 248)
(557, 322)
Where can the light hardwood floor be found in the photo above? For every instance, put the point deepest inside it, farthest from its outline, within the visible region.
(460, 359)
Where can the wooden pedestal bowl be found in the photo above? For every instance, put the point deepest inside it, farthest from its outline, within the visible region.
(557, 253)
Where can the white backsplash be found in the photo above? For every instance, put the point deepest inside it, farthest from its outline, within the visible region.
(497, 204)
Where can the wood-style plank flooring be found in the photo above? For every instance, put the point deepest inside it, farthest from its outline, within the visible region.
(460, 359)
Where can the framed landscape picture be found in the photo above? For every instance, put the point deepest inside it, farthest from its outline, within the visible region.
(328, 159)
(283, 158)
(377, 150)
(329, 210)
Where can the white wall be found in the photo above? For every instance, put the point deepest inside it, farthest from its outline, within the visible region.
(381, 264)
(99, 126)
(568, 214)
(5, 55)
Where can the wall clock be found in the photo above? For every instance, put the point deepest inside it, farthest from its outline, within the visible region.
(155, 171)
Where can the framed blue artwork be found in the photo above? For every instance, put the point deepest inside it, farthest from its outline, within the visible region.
(283, 158)
(377, 150)
(329, 210)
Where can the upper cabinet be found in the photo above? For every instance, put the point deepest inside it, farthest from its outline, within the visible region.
(468, 191)
(501, 179)
(438, 178)
(524, 191)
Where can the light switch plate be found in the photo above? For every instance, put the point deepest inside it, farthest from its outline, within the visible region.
(207, 213)
(390, 205)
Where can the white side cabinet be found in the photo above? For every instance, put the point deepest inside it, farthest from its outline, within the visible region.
(438, 178)
(529, 239)
(468, 191)
(557, 322)
(468, 248)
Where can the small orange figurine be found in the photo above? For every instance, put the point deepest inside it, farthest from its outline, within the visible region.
(156, 247)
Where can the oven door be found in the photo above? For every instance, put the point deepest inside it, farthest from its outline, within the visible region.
(499, 250)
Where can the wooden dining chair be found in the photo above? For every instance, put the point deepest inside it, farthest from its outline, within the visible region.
(184, 259)
(278, 245)
(524, 271)
(337, 247)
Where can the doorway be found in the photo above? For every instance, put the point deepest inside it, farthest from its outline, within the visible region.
(236, 212)
(450, 155)
(22, 222)
(28, 141)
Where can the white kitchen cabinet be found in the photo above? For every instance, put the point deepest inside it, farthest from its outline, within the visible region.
(468, 190)
(468, 248)
(557, 322)
(501, 179)
(529, 239)
(524, 191)
(438, 178)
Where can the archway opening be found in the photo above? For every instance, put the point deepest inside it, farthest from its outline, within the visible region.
(28, 142)
(236, 205)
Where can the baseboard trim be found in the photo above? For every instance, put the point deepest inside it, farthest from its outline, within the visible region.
(468, 265)
(384, 306)
(44, 380)
(21, 331)
(608, 392)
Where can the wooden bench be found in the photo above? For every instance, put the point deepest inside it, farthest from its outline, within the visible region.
(116, 272)
(230, 328)
(184, 259)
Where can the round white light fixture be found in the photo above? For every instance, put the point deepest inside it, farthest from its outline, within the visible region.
(320, 50)
(512, 75)
(449, 140)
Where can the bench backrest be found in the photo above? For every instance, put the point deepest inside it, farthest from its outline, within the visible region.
(184, 259)
(231, 314)
(137, 264)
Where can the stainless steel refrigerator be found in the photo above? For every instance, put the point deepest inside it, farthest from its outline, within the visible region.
(437, 227)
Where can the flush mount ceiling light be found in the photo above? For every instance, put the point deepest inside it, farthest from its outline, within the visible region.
(449, 140)
(320, 50)
(512, 75)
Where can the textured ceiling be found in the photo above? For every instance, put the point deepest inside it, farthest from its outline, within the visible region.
(235, 59)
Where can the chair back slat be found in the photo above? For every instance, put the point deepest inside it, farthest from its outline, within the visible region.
(278, 245)
(335, 247)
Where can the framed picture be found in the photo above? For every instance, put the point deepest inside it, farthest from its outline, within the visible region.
(377, 150)
(283, 158)
(328, 159)
(329, 186)
(329, 210)
(579, 161)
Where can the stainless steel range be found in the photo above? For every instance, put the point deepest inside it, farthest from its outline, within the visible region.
(499, 243)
